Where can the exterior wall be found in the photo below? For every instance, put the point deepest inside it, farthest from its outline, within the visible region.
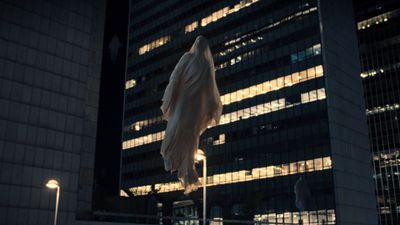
(377, 24)
(351, 157)
(49, 75)
(299, 132)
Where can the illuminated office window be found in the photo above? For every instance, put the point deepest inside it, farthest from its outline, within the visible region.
(219, 14)
(382, 18)
(154, 44)
(249, 92)
(242, 175)
(272, 85)
(191, 27)
(241, 114)
(122, 193)
(130, 84)
(220, 140)
(318, 217)
(382, 109)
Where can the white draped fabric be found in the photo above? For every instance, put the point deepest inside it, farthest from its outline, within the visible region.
(191, 102)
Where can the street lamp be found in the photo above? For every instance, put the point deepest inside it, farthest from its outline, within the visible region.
(53, 184)
(201, 156)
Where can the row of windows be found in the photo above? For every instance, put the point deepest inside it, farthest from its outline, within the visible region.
(313, 217)
(288, 130)
(253, 111)
(218, 140)
(308, 53)
(312, 51)
(254, 39)
(380, 70)
(239, 42)
(320, 217)
(218, 15)
(154, 44)
(272, 106)
(311, 165)
(272, 85)
(134, 108)
(249, 92)
(389, 158)
(294, 57)
(381, 109)
(194, 25)
(378, 19)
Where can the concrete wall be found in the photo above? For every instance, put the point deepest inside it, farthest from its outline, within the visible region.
(351, 156)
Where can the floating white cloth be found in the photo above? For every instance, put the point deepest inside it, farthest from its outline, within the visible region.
(191, 102)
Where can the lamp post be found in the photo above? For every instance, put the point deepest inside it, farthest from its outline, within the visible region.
(201, 156)
(53, 184)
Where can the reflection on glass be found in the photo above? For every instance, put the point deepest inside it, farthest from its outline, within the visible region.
(308, 53)
(242, 176)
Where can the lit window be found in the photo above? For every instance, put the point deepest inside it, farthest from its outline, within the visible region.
(154, 44)
(261, 109)
(122, 193)
(305, 54)
(241, 176)
(191, 27)
(378, 19)
(130, 84)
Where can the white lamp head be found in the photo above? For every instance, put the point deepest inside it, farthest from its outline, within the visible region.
(52, 184)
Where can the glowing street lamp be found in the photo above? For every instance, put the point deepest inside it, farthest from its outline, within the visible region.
(53, 184)
(201, 156)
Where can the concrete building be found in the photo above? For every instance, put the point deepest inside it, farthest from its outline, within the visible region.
(50, 56)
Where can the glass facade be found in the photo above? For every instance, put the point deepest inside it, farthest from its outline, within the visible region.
(275, 125)
(378, 36)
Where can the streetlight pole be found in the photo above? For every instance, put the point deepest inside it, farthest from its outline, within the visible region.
(204, 189)
(53, 184)
(201, 156)
(57, 202)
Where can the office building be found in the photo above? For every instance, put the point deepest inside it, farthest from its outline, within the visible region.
(379, 43)
(288, 74)
(50, 61)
